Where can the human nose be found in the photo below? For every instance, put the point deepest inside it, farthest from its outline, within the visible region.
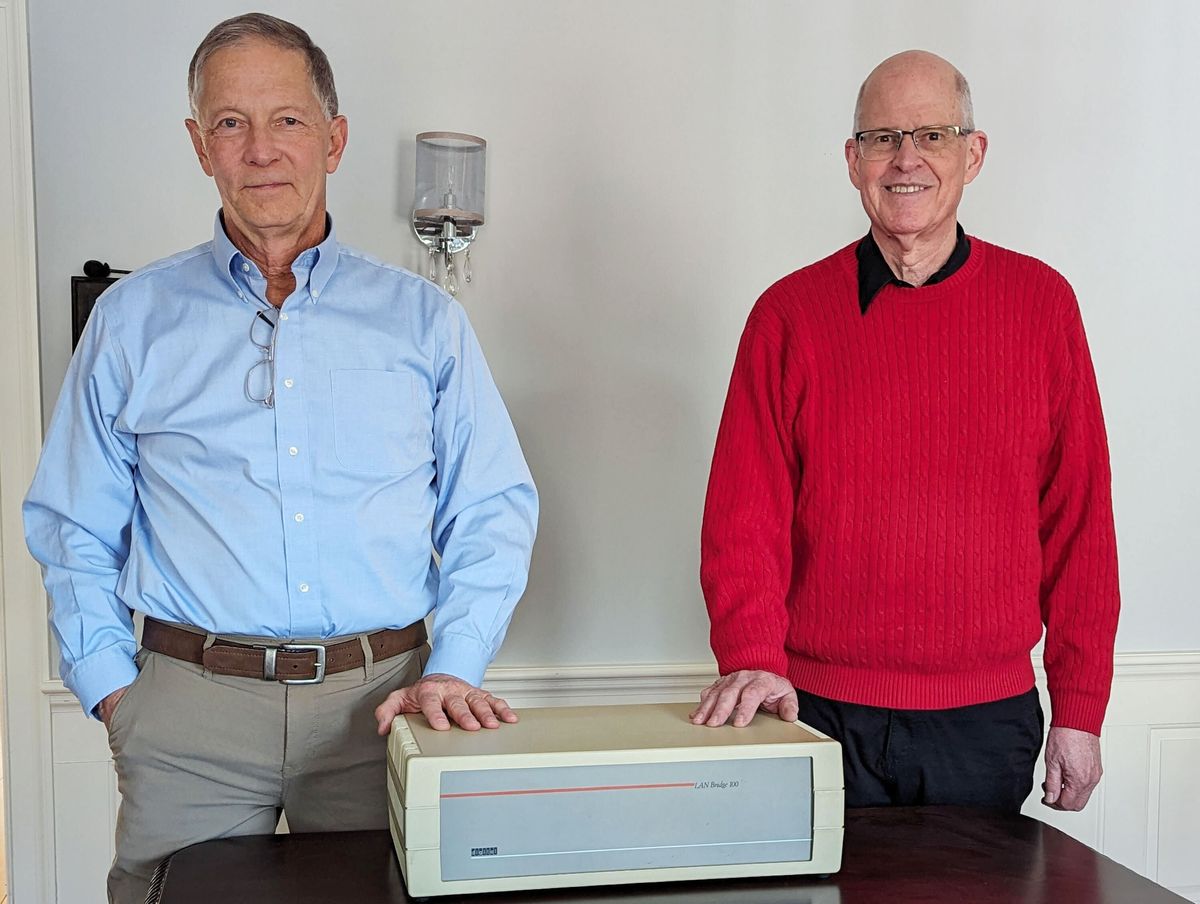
(907, 155)
(261, 149)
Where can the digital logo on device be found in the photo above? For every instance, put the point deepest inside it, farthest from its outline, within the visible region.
(484, 851)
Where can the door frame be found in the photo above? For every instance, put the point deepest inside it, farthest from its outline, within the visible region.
(24, 652)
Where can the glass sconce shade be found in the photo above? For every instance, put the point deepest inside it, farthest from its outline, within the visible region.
(450, 178)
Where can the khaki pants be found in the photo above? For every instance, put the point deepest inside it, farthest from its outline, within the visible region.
(201, 756)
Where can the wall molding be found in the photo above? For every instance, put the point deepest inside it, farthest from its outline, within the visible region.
(661, 678)
(578, 684)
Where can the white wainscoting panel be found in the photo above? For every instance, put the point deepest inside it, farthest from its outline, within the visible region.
(1145, 814)
(1174, 825)
(85, 796)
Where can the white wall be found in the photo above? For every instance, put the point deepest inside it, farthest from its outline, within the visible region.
(652, 167)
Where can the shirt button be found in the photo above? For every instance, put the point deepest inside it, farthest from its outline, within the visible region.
(304, 588)
(240, 295)
(245, 268)
(299, 516)
(316, 294)
(283, 316)
(292, 450)
(289, 382)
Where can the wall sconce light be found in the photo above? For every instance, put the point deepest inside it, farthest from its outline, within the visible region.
(448, 202)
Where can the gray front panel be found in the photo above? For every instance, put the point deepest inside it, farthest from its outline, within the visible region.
(571, 819)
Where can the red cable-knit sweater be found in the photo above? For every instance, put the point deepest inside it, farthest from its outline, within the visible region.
(899, 501)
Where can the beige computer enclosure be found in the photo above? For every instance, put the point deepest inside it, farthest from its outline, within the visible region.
(574, 796)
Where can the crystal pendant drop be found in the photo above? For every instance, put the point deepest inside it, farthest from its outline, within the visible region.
(451, 285)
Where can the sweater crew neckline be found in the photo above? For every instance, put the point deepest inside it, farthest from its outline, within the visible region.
(947, 288)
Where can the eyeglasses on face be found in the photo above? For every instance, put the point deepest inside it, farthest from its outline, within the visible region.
(930, 141)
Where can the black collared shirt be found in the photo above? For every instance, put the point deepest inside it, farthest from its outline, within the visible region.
(874, 272)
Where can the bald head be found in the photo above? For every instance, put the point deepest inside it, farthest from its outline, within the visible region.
(916, 72)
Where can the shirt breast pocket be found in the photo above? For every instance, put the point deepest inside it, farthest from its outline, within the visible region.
(378, 422)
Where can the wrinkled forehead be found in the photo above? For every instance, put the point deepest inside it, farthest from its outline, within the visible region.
(256, 67)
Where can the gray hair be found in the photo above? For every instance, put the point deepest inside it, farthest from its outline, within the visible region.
(282, 34)
(961, 88)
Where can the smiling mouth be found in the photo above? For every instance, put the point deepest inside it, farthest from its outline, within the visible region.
(906, 189)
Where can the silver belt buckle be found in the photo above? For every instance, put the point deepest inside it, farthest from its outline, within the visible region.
(269, 662)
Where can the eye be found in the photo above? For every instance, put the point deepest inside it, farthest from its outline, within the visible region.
(289, 122)
(228, 123)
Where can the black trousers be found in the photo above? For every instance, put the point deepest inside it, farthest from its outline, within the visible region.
(976, 756)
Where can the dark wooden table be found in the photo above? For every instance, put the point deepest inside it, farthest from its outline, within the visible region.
(899, 856)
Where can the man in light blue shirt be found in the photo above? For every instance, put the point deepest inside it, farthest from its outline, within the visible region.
(264, 440)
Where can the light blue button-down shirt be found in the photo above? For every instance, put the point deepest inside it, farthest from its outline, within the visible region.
(163, 489)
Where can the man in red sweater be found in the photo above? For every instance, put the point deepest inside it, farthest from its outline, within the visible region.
(910, 481)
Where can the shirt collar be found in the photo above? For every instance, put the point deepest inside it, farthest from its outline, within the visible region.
(322, 259)
(874, 272)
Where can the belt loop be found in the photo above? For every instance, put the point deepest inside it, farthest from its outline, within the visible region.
(209, 640)
(368, 657)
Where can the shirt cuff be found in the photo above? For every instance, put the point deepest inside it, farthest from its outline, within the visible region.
(461, 656)
(96, 676)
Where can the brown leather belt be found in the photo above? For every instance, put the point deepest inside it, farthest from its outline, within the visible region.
(289, 663)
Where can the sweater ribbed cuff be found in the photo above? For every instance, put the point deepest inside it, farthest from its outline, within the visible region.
(766, 659)
(1078, 710)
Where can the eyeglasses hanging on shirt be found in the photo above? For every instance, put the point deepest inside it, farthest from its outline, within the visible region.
(260, 378)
